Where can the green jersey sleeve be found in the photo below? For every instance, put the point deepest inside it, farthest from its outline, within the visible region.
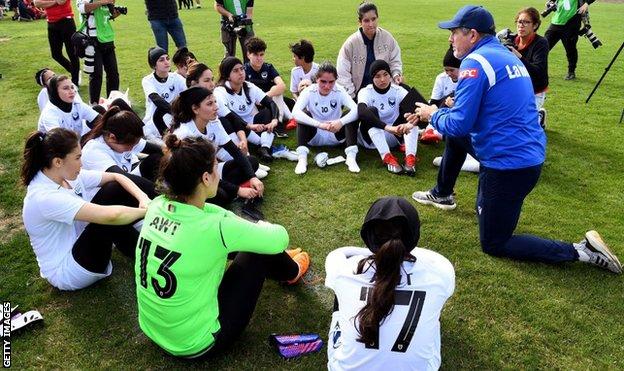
(262, 237)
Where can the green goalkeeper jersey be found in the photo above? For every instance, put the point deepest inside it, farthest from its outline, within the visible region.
(180, 260)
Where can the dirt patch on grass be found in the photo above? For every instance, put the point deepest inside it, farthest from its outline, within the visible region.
(3, 39)
(10, 225)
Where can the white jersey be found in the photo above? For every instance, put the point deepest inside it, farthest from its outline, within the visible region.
(324, 108)
(409, 337)
(240, 104)
(53, 117)
(443, 86)
(215, 133)
(387, 104)
(43, 98)
(297, 74)
(48, 213)
(97, 155)
(168, 90)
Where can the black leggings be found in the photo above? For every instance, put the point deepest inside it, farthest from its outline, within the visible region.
(232, 173)
(104, 60)
(568, 34)
(240, 288)
(305, 133)
(59, 34)
(94, 247)
(365, 125)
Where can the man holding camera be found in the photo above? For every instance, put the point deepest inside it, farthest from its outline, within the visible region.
(564, 26)
(100, 54)
(236, 24)
(494, 118)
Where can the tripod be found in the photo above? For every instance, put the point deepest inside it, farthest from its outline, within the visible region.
(603, 76)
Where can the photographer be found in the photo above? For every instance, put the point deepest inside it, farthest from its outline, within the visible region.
(564, 26)
(100, 55)
(532, 49)
(232, 13)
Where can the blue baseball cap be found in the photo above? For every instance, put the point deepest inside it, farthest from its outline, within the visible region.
(472, 17)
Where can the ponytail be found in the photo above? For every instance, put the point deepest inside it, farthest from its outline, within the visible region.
(41, 148)
(380, 301)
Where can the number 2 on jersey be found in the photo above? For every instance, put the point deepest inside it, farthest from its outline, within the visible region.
(415, 300)
(168, 258)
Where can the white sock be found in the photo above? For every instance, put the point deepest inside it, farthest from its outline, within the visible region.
(351, 162)
(411, 142)
(302, 162)
(254, 138)
(283, 108)
(234, 138)
(378, 137)
(266, 139)
(581, 252)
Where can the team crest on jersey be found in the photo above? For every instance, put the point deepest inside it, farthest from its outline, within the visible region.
(333, 103)
(264, 75)
(171, 88)
(391, 101)
(75, 116)
(127, 156)
(211, 137)
(78, 190)
(469, 73)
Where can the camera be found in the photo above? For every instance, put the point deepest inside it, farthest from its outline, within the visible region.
(89, 59)
(551, 6)
(507, 38)
(238, 26)
(121, 9)
(588, 33)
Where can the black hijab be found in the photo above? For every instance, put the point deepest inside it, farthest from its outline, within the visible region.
(396, 210)
(54, 96)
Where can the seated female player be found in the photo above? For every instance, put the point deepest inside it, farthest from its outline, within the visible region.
(201, 75)
(63, 110)
(42, 77)
(195, 115)
(161, 87)
(389, 296)
(242, 97)
(189, 302)
(74, 216)
(115, 142)
(382, 122)
(318, 112)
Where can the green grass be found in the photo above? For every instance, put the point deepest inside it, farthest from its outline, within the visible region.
(504, 314)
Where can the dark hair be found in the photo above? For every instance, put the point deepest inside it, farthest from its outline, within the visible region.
(182, 167)
(304, 50)
(125, 125)
(366, 7)
(533, 14)
(182, 105)
(387, 262)
(181, 56)
(41, 148)
(226, 67)
(255, 45)
(194, 72)
(326, 67)
(39, 76)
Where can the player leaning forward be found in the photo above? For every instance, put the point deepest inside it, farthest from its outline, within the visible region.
(495, 120)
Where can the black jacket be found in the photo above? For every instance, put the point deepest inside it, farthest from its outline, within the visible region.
(535, 59)
(161, 9)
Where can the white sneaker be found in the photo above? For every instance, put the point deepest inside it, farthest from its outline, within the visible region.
(261, 174)
(264, 167)
(302, 166)
(286, 154)
(594, 251)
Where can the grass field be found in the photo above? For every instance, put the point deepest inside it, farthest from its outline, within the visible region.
(504, 314)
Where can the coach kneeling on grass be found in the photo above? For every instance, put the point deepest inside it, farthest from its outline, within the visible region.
(495, 120)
